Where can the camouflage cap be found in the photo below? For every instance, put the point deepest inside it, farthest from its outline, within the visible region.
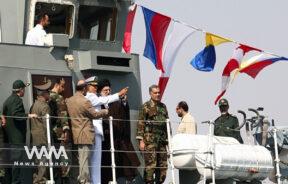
(19, 84)
(223, 102)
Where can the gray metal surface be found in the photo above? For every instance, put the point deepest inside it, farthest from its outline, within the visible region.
(20, 61)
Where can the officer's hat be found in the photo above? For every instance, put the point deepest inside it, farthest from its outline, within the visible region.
(223, 102)
(93, 81)
(43, 88)
(18, 85)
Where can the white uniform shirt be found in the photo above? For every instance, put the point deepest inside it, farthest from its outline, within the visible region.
(36, 36)
(97, 102)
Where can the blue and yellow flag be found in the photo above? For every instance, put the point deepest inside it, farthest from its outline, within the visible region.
(206, 59)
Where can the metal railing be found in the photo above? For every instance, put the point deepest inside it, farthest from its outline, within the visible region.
(209, 153)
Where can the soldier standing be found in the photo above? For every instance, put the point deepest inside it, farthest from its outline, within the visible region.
(15, 128)
(60, 125)
(58, 108)
(152, 136)
(39, 128)
(226, 123)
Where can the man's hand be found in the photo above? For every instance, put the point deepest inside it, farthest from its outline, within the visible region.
(3, 120)
(141, 145)
(106, 111)
(32, 116)
(65, 136)
(123, 92)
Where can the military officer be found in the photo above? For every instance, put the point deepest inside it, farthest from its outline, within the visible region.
(61, 129)
(58, 108)
(152, 136)
(97, 102)
(15, 128)
(226, 123)
(38, 126)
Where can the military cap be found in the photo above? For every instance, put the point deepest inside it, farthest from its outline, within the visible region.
(19, 84)
(43, 87)
(92, 81)
(223, 102)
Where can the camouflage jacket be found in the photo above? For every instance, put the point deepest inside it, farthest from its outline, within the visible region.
(152, 122)
(58, 108)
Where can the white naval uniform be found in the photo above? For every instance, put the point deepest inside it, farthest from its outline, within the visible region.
(95, 160)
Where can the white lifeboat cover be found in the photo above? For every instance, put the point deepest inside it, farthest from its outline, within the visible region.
(237, 161)
(185, 146)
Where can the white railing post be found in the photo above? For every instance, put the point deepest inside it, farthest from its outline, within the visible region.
(51, 181)
(209, 154)
(170, 150)
(211, 150)
(277, 160)
(112, 149)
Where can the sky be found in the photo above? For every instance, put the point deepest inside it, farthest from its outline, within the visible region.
(257, 23)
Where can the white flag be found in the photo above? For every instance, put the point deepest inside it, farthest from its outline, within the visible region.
(179, 34)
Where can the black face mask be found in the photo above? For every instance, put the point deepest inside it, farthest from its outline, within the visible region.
(223, 108)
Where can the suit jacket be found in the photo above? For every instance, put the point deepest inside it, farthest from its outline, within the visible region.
(187, 125)
(15, 127)
(38, 125)
(82, 112)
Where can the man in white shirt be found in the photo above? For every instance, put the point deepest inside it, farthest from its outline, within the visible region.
(36, 35)
(97, 102)
(187, 124)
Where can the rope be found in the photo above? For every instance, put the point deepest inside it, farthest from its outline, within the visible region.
(204, 32)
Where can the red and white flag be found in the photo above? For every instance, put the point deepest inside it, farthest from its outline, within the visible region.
(179, 34)
(128, 30)
(232, 65)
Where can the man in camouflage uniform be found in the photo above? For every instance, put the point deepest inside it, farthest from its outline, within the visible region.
(226, 124)
(152, 136)
(60, 125)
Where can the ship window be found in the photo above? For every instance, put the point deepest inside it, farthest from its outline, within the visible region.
(97, 23)
(101, 60)
(60, 16)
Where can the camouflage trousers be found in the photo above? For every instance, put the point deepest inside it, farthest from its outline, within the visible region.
(155, 157)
